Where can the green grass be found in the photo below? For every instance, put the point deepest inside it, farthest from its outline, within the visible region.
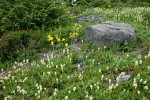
(85, 71)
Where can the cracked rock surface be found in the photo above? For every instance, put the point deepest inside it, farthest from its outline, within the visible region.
(109, 33)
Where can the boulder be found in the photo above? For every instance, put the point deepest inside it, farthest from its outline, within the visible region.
(109, 33)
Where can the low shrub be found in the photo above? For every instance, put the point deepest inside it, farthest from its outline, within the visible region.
(35, 14)
(21, 45)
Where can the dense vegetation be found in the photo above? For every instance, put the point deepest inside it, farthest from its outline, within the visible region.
(71, 67)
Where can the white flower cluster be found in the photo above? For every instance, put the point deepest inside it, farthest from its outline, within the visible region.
(39, 90)
(22, 91)
(55, 92)
(118, 79)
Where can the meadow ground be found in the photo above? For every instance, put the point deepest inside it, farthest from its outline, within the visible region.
(81, 70)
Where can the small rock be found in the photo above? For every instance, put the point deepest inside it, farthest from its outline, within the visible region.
(125, 78)
(94, 18)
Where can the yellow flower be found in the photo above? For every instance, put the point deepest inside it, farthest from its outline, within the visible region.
(58, 39)
(52, 43)
(56, 35)
(50, 38)
(99, 9)
(63, 39)
(76, 34)
(66, 44)
(75, 24)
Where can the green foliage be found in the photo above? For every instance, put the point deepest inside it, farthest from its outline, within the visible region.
(11, 43)
(19, 45)
(59, 76)
(35, 14)
(92, 3)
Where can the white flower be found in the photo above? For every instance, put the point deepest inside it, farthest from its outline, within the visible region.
(138, 75)
(93, 60)
(109, 81)
(148, 54)
(14, 67)
(135, 85)
(48, 73)
(55, 73)
(74, 88)
(110, 88)
(18, 87)
(102, 77)
(82, 41)
(134, 80)
(144, 82)
(139, 56)
(138, 92)
(97, 87)
(40, 87)
(107, 67)
(146, 57)
(36, 85)
(87, 95)
(55, 90)
(122, 73)
(141, 80)
(69, 91)
(4, 87)
(27, 60)
(68, 77)
(106, 78)
(99, 70)
(127, 55)
(57, 80)
(116, 84)
(66, 97)
(2, 69)
(64, 51)
(148, 67)
(136, 63)
(146, 87)
(39, 91)
(140, 62)
(12, 77)
(91, 98)
(56, 66)
(55, 93)
(91, 87)
(80, 75)
(36, 94)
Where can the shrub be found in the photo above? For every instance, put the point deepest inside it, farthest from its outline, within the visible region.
(21, 45)
(32, 14)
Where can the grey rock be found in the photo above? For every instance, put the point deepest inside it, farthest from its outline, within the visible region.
(109, 33)
(124, 78)
(94, 18)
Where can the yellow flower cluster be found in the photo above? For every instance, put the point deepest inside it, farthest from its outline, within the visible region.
(77, 27)
(50, 38)
(72, 35)
(57, 39)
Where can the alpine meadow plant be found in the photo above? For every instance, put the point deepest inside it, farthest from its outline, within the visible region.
(35, 14)
(73, 68)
